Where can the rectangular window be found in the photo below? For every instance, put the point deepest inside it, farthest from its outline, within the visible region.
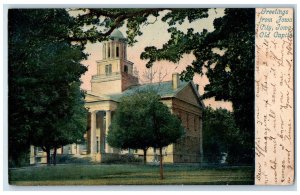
(108, 69)
(117, 52)
(125, 68)
(97, 144)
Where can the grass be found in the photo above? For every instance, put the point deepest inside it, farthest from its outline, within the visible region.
(129, 175)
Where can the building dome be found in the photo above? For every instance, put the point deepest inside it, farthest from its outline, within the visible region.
(116, 34)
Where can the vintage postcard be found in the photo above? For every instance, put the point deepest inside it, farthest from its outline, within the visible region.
(151, 96)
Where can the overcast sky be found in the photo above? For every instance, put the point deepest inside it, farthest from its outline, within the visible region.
(156, 35)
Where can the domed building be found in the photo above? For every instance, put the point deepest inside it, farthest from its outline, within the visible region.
(114, 78)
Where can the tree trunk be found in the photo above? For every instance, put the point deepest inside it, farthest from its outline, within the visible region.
(145, 156)
(54, 155)
(161, 164)
(48, 156)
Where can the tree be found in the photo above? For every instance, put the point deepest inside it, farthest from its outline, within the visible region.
(220, 135)
(131, 126)
(142, 121)
(45, 101)
(225, 55)
(166, 127)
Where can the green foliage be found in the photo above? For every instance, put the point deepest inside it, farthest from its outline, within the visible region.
(21, 160)
(106, 20)
(166, 127)
(142, 121)
(70, 159)
(45, 101)
(220, 135)
(131, 125)
(121, 159)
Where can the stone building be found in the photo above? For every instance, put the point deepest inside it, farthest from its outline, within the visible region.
(114, 78)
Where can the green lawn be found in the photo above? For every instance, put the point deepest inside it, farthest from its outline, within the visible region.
(128, 175)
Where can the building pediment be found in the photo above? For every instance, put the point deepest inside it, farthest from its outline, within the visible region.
(95, 97)
(190, 94)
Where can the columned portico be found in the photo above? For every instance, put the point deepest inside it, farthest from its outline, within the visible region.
(100, 115)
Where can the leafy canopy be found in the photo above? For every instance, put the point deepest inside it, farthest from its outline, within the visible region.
(142, 121)
(45, 102)
(131, 125)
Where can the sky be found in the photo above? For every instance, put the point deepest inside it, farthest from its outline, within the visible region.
(156, 35)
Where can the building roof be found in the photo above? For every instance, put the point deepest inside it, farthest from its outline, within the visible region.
(116, 34)
(164, 89)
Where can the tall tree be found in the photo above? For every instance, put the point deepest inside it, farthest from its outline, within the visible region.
(45, 101)
(142, 121)
(131, 125)
(166, 127)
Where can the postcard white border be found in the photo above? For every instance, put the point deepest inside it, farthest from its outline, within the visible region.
(113, 3)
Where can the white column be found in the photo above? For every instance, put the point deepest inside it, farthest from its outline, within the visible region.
(32, 154)
(102, 133)
(108, 121)
(93, 133)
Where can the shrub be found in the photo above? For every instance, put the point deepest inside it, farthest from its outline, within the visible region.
(120, 159)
